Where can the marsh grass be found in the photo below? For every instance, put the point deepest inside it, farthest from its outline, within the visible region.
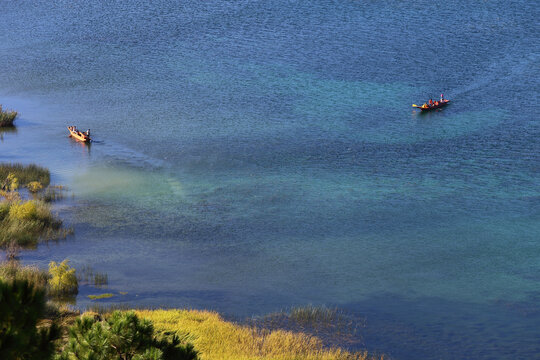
(87, 275)
(7, 117)
(25, 223)
(314, 315)
(25, 173)
(332, 325)
(218, 339)
(13, 270)
(51, 194)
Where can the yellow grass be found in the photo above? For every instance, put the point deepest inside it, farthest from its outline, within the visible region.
(217, 339)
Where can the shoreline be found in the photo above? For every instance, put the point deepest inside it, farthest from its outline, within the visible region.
(311, 346)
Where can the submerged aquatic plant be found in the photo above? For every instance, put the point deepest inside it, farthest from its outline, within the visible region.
(101, 296)
(51, 194)
(311, 314)
(91, 277)
(331, 325)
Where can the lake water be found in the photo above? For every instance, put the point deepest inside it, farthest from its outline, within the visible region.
(252, 156)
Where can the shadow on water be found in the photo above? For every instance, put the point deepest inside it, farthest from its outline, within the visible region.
(9, 130)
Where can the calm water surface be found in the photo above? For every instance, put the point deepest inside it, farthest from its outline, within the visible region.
(252, 156)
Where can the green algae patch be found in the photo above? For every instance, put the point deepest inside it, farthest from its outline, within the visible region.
(101, 296)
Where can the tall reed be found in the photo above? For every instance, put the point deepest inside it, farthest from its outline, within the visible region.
(7, 117)
(25, 173)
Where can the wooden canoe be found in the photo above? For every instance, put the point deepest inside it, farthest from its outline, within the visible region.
(77, 135)
(433, 107)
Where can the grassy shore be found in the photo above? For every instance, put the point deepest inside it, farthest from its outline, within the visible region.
(196, 334)
(217, 339)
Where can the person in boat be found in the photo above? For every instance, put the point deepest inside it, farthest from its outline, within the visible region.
(430, 102)
(442, 97)
(425, 105)
(88, 132)
(436, 103)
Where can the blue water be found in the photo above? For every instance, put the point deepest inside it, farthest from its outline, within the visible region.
(252, 156)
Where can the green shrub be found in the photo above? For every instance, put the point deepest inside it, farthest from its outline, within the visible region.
(122, 336)
(26, 210)
(63, 280)
(21, 306)
(34, 186)
(10, 183)
(7, 117)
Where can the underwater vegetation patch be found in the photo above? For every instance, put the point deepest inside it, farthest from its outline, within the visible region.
(101, 296)
(89, 276)
(332, 325)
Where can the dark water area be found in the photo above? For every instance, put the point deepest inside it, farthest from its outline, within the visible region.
(254, 156)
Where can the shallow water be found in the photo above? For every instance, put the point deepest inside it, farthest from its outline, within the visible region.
(254, 156)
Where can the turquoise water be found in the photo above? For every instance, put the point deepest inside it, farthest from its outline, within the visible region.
(254, 156)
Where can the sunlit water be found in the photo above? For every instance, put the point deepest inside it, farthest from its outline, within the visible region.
(252, 156)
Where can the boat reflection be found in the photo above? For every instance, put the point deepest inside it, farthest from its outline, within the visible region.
(85, 147)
